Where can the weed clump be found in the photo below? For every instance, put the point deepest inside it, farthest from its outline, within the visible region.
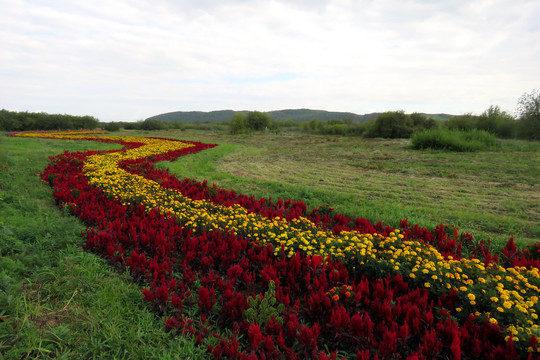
(454, 140)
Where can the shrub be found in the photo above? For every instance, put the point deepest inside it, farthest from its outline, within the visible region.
(391, 124)
(112, 126)
(454, 140)
(258, 121)
(497, 122)
(529, 116)
(151, 124)
(463, 122)
(238, 123)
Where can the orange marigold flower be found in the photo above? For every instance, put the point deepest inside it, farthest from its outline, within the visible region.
(335, 297)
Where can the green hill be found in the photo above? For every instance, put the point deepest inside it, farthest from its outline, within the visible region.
(297, 115)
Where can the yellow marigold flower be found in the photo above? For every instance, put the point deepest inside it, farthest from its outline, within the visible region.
(494, 299)
(459, 309)
(426, 284)
(507, 304)
(471, 297)
(493, 320)
(462, 288)
(500, 309)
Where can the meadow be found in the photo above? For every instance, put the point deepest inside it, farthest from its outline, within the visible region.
(60, 301)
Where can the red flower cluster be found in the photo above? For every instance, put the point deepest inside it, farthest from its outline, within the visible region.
(217, 271)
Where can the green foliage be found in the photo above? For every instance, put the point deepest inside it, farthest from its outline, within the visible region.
(150, 124)
(177, 125)
(238, 123)
(22, 121)
(493, 120)
(254, 121)
(397, 124)
(257, 121)
(462, 122)
(421, 122)
(391, 125)
(529, 116)
(132, 125)
(262, 309)
(345, 127)
(497, 122)
(454, 140)
(112, 126)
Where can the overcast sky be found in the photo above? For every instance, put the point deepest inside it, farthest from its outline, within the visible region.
(126, 60)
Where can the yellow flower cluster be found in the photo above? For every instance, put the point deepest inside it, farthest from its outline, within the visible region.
(59, 134)
(507, 296)
(501, 295)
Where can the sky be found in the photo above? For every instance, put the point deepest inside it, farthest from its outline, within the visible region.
(126, 60)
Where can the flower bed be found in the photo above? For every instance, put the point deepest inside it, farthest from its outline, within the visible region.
(270, 280)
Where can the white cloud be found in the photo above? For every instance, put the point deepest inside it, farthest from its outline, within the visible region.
(127, 60)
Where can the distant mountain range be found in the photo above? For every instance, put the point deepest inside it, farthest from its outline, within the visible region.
(299, 115)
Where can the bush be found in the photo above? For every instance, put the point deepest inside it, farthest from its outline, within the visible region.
(454, 140)
(151, 124)
(132, 125)
(529, 116)
(112, 126)
(463, 122)
(238, 123)
(258, 121)
(497, 122)
(391, 124)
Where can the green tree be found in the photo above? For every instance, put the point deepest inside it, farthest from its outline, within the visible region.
(150, 124)
(529, 116)
(463, 122)
(421, 122)
(238, 123)
(391, 124)
(257, 120)
(112, 126)
(497, 122)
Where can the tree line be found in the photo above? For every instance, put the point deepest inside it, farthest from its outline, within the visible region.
(391, 124)
(23, 121)
(397, 124)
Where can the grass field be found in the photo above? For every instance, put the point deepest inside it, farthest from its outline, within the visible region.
(58, 301)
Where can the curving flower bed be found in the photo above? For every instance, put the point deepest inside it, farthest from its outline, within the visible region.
(260, 279)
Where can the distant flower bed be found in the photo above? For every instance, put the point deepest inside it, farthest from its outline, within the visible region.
(273, 280)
